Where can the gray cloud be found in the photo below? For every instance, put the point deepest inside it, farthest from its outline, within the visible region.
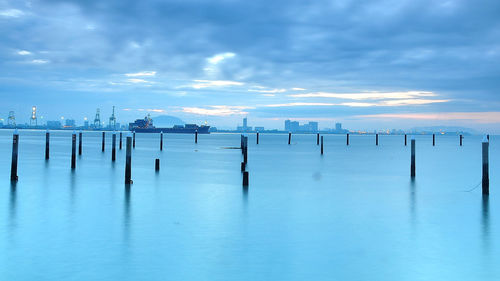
(451, 48)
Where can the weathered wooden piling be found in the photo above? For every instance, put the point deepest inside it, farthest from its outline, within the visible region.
(461, 139)
(413, 157)
(317, 139)
(488, 137)
(196, 136)
(376, 139)
(47, 145)
(113, 147)
(80, 144)
(133, 140)
(243, 166)
(347, 139)
(73, 150)
(406, 140)
(289, 137)
(120, 140)
(15, 150)
(245, 149)
(245, 178)
(157, 164)
(321, 145)
(486, 176)
(161, 140)
(103, 141)
(257, 137)
(241, 143)
(128, 161)
(433, 139)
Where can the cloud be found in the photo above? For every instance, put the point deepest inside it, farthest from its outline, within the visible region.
(367, 95)
(23, 53)
(138, 81)
(298, 89)
(214, 83)
(141, 74)
(11, 13)
(39, 61)
(477, 117)
(301, 104)
(219, 58)
(151, 110)
(268, 91)
(390, 103)
(217, 110)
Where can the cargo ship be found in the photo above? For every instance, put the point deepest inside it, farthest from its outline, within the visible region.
(146, 126)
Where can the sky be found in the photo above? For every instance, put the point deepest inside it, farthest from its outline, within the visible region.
(369, 64)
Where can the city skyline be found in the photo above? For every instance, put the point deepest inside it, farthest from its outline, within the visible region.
(292, 64)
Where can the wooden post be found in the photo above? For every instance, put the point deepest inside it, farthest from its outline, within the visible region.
(47, 145)
(243, 166)
(157, 164)
(15, 150)
(196, 136)
(461, 138)
(412, 157)
(245, 178)
(347, 138)
(376, 139)
(488, 137)
(73, 150)
(406, 140)
(161, 141)
(289, 137)
(113, 147)
(321, 145)
(128, 161)
(486, 176)
(103, 140)
(120, 140)
(80, 138)
(133, 141)
(433, 139)
(245, 149)
(241, 143)
(257, 137)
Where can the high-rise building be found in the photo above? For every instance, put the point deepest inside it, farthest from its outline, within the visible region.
(313, 126)
(338, 126)
(54, 124)
(245, 123)
(287, 125)
(69, 123)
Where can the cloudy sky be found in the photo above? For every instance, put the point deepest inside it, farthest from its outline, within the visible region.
(369, 64)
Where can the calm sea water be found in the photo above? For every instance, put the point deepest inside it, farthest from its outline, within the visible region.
(351, 214)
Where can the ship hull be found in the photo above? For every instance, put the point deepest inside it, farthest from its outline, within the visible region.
(201, 130)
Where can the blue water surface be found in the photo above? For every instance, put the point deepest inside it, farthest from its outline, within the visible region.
(350, 214)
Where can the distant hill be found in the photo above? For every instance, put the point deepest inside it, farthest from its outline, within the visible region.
(166, 121)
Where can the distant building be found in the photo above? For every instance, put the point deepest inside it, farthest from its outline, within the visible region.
(338, 126)
(313, 126)
(69, 123)
(245, 127)
(86, 124)
(291, 126)
(54, 124)
(294, 126)
(259, 129)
